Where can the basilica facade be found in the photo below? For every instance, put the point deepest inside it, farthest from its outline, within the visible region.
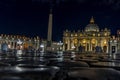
(91, 39)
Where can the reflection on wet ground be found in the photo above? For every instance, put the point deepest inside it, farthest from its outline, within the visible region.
(59, 66)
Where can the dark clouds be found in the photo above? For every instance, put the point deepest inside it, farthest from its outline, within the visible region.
(113, 4)
(59, 1)
(7, 3)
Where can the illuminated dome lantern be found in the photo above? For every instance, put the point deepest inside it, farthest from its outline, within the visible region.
(92, 26)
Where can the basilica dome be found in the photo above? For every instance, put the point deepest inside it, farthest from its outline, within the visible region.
(92, 26)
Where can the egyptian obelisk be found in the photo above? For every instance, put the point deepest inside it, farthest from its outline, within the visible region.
(49, 36)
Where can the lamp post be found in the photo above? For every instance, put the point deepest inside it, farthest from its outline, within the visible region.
(19, 48)
(42, 48)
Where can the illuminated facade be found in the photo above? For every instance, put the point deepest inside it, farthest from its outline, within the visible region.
(17, 42)
(9, 42)
(92, 39)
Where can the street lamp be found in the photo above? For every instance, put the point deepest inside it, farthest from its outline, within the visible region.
(60, 45)
(42, 47)
(19, 51)
(19, 42)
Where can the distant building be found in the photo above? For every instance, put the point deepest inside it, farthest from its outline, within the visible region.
(55, 46)
(113, 45)
(118, 40)
(9, 42)
(91, 39)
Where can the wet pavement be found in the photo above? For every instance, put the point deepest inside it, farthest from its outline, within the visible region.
(59, 66)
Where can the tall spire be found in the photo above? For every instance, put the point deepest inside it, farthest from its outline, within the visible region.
(92, 20)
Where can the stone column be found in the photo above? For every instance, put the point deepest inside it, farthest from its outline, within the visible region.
(89, 45)
(13, 45)
(68, 46)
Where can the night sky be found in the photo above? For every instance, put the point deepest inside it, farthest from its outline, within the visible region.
(30, 17)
